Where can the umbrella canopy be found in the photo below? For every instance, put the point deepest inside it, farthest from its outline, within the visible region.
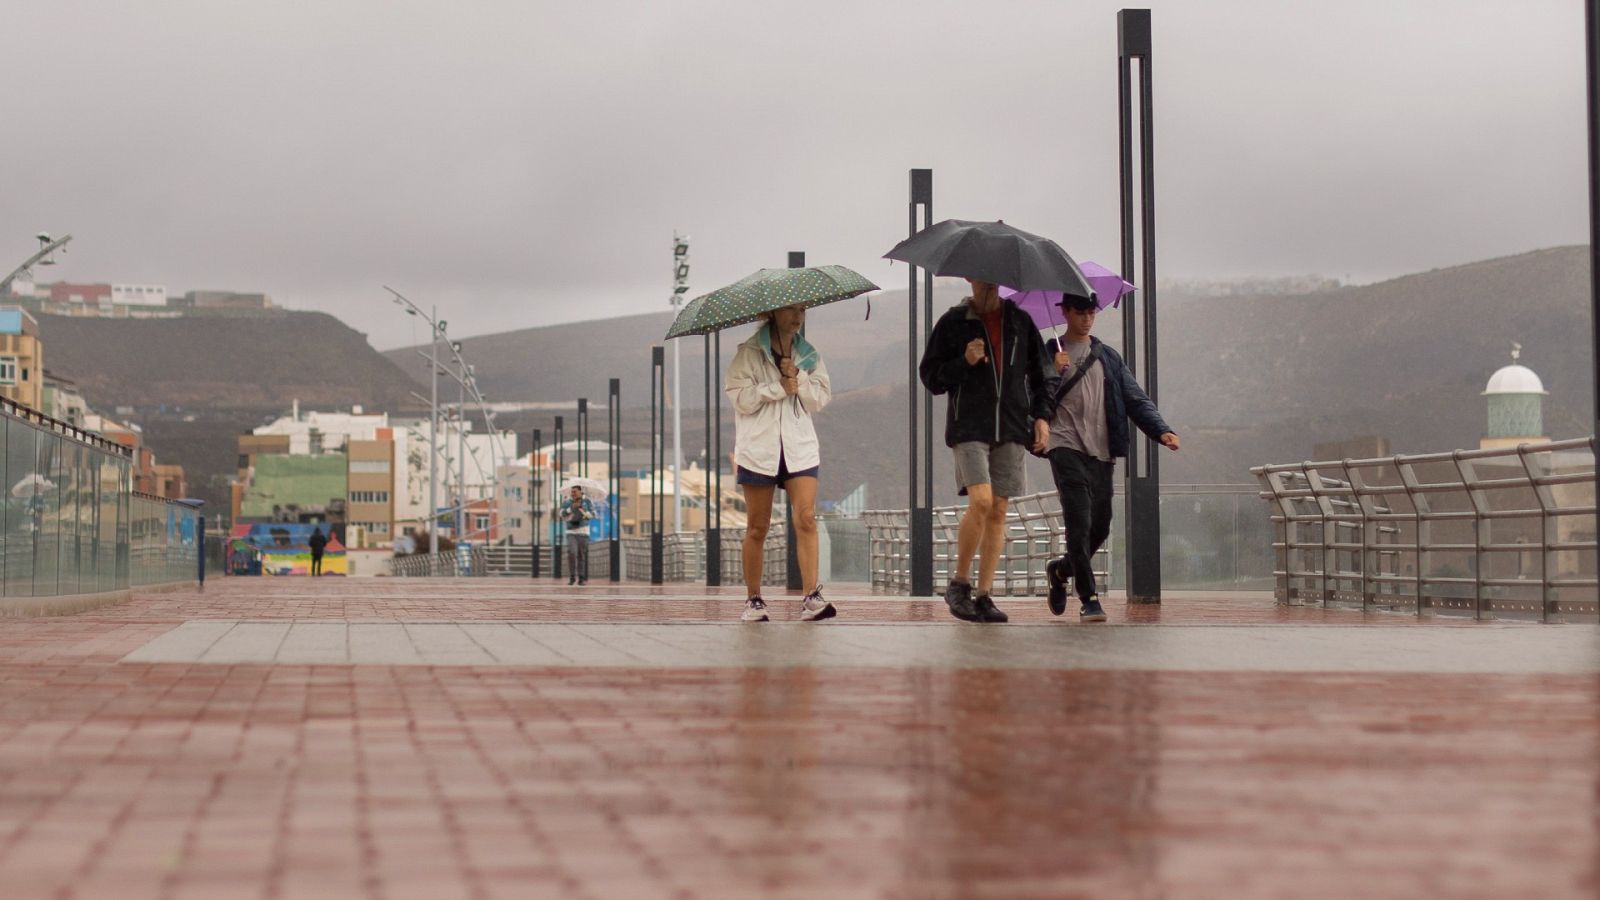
(994, 252)
(591, 488)
(1044, 306)
(768, 289)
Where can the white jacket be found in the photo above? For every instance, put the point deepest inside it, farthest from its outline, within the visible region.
(766, 421)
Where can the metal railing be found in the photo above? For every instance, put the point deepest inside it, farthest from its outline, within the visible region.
(514, 560)
(460, 563)
(683, 557)
(1492, 532)
(1033, 537)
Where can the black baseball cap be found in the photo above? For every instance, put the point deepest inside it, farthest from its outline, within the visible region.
(1079, 303)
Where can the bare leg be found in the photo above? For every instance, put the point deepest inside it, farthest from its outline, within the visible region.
(803, 501)
(994, 533)
(974, 523)
(758, 516)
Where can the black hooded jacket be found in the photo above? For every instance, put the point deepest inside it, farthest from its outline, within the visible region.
(984, 406)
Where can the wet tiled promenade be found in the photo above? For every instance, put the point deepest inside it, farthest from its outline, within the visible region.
(491, 738)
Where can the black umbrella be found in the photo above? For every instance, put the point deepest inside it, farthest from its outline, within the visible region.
(993, 252)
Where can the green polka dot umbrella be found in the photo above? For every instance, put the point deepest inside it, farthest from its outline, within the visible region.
(769, 289)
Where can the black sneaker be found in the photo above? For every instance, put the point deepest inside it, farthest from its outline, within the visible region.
(1056, 572)
(572, 581)
(1091, 611)
(987, 611)
(958, 596)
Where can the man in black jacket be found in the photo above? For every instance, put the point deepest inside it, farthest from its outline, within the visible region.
(1090, 404)
(986, 354)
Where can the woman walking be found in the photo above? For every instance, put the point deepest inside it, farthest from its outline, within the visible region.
(777, 382)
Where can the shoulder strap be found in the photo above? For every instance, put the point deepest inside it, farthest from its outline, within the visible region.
(1083, 369)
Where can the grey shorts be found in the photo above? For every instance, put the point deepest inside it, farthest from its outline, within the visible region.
(997, 465)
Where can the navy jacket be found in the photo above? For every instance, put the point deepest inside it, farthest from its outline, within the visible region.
(984, 407)
(1124, 400)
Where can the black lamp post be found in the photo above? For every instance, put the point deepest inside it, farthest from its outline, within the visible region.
(614, 474)
(534, 476)
(583, 436)
(1143, 494)
(919, 499)
(797, 260)
(1592, 30)
(557, 464)
(713, 507)
(658, 461)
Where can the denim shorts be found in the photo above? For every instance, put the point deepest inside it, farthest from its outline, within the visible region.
(745, 476)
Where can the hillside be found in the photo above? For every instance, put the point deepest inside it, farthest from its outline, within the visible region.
(222, 363)
(1246, 378)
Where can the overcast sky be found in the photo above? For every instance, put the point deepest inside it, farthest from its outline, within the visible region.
(525, 163)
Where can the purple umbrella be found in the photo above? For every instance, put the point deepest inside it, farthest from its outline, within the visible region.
(1044, 306)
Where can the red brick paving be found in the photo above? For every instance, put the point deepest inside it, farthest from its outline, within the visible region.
(133, 781)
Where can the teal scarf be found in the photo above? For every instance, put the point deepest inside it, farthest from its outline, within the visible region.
(805, 355)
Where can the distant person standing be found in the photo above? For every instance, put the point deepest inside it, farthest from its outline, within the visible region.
(1092, 402)
(576, 511)
(985, 354)
(318, 543)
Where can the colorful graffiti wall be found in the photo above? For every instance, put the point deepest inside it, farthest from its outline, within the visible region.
(284, 550)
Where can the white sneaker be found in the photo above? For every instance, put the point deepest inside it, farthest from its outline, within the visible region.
(814, 609)
(755, 610)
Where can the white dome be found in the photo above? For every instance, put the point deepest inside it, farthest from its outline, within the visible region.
(1514, 379)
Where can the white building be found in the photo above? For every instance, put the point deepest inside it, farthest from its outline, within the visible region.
(325, 432)
(484, 453)
(139, 295)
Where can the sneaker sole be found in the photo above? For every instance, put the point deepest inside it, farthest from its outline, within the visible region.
(762, 619)
(1099, 618)
(827, 612)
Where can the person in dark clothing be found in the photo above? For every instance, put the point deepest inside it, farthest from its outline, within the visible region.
(1091, 404)
(317, 542)
(986, 354)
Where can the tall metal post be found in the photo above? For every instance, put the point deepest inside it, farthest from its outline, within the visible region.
(715, 455)
(797, 260)
(558, 461)
(614, 473)
(461, 460)
(433, 433)
(680, 293)
(583, 436)
(200, 544)
(1592, 30)
(713, 504)
(535, 475)
(920, 495)
(1142, 477)
(658, 461)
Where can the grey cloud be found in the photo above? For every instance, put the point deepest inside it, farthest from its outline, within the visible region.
(522, 163)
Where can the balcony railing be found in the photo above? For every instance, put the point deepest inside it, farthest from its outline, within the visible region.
(1501, 532)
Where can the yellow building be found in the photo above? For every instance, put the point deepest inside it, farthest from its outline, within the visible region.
(21, 358)
(370, 501)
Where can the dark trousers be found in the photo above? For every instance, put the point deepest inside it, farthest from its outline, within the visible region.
(316, 562)
(1084, 485)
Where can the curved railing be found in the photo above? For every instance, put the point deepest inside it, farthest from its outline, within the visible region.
(1493, 532)
(1034, 530)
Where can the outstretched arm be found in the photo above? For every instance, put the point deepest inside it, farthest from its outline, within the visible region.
(1142, 410)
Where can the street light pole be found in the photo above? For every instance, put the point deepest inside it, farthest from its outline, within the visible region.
(461, 444)
(433, 434)
(47, 247)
